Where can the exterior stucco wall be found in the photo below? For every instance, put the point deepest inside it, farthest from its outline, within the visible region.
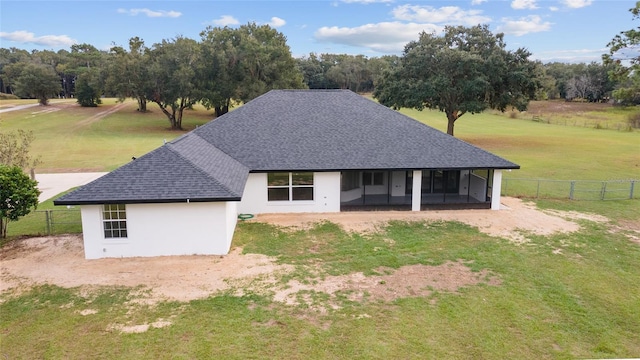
(163, 229)
(496, 188)
(326, 196)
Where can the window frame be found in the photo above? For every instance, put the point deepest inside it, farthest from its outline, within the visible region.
(114, 221)
(295, 186)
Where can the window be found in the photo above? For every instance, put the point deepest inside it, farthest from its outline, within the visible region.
(372, 178)
(350, 180)
(295, 186)
(114, 221)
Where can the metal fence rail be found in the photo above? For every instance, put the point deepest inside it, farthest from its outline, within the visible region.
(572, 189)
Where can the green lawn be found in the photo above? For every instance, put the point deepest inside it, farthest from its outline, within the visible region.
(547, 151)
(66, 140)
(581, 302)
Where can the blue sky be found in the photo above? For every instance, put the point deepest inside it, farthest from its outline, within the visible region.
(552, 30)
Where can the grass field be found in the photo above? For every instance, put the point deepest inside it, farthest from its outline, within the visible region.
(562, 296)
(70, 138)
(580, 303)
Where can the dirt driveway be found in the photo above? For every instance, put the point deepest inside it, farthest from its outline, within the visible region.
(60, 260)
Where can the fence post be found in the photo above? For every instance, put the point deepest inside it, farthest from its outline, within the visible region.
(571, 189)
(604, 190)
(538, 190)
(48, 217)
(633, 182)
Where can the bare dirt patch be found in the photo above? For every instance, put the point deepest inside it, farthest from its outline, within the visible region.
(515, 219)
(407, 281)
(98, 116)
(60, 261)
(560, 106)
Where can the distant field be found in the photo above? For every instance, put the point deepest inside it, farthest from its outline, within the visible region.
(71, 138)
(548, 150)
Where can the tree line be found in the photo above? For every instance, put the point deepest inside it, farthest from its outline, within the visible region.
(234, 65)
(226, 65)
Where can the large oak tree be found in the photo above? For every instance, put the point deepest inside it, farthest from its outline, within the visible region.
(467, 70)
(173, 77)
(244, 63)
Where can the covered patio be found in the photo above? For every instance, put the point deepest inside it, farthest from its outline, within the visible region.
(418, 190)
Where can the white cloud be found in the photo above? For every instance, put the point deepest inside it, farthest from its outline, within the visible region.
(366, 1)
(576, 4)
(150, 13)
(276, 22)
(478, 2)
(524, 4)
(554, 8)
(523, 26)
(571, 56)
(226, 20)
(26, 37)
(443, 15)
(385, 37)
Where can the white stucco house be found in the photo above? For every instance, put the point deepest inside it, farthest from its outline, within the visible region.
(286, 151)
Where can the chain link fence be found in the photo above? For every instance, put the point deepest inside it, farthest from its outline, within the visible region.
(63, 221)
(572, 189)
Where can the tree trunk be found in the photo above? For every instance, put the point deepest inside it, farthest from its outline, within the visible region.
(451, 117)
(142, 104)
(171, 116)
(221, 110)
(3, 227)
(43, 100)
(178, 119)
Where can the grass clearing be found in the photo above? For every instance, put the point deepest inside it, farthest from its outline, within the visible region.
(71, 138)
(577, 303)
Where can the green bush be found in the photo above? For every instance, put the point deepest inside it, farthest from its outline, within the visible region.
(4, 96)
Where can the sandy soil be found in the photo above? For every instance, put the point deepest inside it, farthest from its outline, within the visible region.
(514, 220)
(60, 261)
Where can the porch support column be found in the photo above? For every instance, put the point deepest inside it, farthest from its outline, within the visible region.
(496, 188)
(416, 192)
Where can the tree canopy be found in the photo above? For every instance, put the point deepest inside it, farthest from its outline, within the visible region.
(38, 81)
(467, 70)
(173, 76)
(244, 63)
(18, 195)
(624, 57)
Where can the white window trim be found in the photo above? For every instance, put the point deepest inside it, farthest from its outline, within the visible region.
(104, 221)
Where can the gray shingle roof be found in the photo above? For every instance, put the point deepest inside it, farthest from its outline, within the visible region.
(283, 130)
(336, 130)
(188, 169)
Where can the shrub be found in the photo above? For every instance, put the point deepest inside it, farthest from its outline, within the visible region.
(4, 96)
(634, 121)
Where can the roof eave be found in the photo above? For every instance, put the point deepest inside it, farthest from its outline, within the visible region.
(143, 201)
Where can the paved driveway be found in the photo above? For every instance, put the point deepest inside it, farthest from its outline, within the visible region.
(53, 184)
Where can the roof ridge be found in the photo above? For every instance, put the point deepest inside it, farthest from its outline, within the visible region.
(203, 171)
